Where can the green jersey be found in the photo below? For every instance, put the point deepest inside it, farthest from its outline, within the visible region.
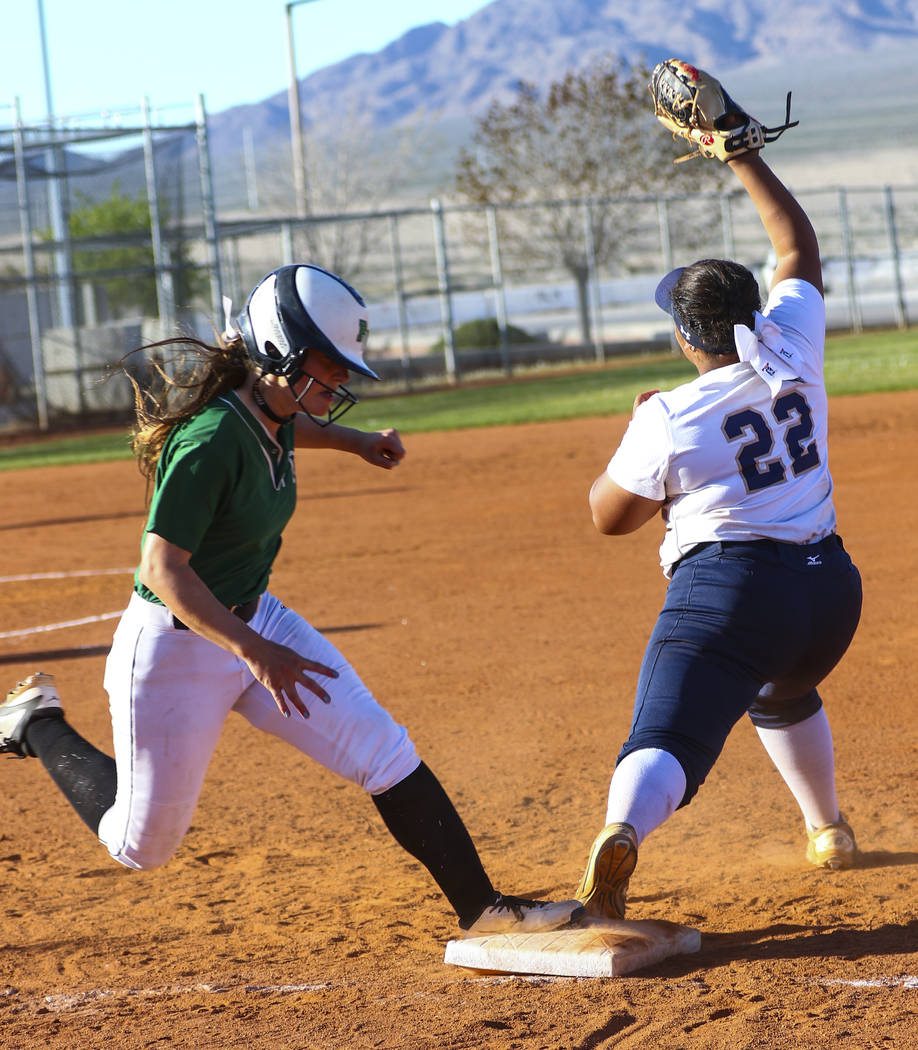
(224, 491)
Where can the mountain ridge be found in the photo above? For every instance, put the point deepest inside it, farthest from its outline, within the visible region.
(457, 70)
(836, 55)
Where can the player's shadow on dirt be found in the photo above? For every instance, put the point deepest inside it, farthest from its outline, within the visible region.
(77, 519)
(793, 941)
(82, 519)
(39, 656)
(848, 942)
(306, 494)
(882, 858)
(47, 655)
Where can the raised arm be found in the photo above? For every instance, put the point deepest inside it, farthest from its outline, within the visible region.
(694, 106)
(786, 223)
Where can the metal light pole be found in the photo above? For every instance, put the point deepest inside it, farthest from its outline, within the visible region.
(59, 226)
(296, 121)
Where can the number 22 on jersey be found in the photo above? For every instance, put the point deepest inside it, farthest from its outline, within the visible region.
(758, 471)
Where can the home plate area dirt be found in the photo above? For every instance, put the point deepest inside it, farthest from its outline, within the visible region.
(473, 595)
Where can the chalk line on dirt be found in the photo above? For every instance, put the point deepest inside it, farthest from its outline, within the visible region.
(63, 575)
(63, 1001)
(26, 631)
(871, 982)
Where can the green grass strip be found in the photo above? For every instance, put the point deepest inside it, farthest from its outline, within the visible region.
(62, 451)
(855, 364)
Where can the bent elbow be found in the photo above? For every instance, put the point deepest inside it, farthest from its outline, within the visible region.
(161, 564)
(149, 574)
(606, 524)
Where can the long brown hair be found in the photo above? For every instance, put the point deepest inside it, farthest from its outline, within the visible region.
(186, 373)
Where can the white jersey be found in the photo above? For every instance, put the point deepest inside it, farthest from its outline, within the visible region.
(732, 461)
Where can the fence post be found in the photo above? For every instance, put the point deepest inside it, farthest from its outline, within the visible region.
(446, 299)
(208, 207)
(165, 293)
(854, 309)
(666, 248)
(400, 297)
(25, 226)
(726, 221)
(593, 278)
(234, 266)
(497, 283)
(890, 208)
(251, 168)
(63, 250)
(286, 232)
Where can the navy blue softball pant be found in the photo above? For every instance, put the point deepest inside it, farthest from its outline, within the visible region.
(746, 626)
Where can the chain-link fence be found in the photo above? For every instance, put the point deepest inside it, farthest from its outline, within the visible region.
(105, 243)
(452, 289)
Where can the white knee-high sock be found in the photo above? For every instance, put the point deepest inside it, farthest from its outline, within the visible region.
(646, 788)
(804, 757)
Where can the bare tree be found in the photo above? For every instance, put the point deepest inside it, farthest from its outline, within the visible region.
(590, 142)
(352, 172)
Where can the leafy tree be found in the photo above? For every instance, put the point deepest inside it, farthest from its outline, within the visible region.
(112, 247)
(592, 137)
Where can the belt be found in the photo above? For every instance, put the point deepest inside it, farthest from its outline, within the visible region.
(245, 612)
(826, 544)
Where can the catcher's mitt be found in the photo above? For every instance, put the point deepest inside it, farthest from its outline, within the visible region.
(694, 106)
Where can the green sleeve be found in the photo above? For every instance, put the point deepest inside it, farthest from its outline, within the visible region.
(189, 492)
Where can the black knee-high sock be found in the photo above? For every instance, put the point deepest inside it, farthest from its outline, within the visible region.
(84, 774)
(423, 820)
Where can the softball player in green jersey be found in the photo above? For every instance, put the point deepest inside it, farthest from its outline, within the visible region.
(203, 636)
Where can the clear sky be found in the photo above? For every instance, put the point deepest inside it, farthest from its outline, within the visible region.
(106, 55)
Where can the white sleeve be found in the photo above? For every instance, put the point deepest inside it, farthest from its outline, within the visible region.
(641, 462)
(798, 309)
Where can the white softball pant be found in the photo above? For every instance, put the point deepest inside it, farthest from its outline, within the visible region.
(170, 692)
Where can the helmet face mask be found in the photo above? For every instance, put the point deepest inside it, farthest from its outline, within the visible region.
(343, 398)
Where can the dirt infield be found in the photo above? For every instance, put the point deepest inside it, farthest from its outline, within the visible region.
(471, 591)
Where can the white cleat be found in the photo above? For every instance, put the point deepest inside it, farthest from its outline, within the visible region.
(35, 696)
(521, 915)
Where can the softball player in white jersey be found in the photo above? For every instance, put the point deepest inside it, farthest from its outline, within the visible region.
(202, 636)
(763, 600)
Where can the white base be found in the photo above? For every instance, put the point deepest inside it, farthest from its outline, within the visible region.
(591, 948)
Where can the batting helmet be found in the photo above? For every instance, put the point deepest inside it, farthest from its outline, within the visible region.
(299, 308)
